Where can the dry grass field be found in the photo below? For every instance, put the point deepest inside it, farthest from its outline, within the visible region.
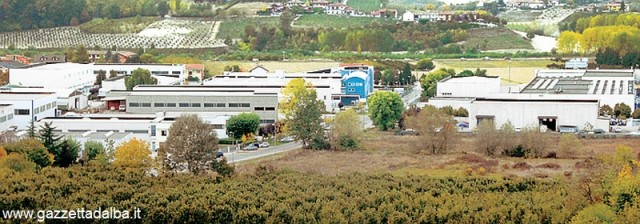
(217, 67)
(400, 155)
(522, 70)
(250, 8)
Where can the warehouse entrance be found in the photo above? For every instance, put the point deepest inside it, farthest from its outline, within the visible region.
(551, 122)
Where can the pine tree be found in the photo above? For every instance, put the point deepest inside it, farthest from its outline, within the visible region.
(48, 138)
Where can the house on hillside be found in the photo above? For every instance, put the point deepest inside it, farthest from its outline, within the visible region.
(338, 9)
(195, 70)
(17, 58)
(408, 17)
(50, 59)
(319, 3)
(385, 13)
(99, 55)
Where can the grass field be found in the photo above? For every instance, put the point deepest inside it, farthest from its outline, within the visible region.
(365, 6)
(399, 155)
(217, 67)
(546, 29)
(118, 26)
(235, 28)
(324, 20)
(250, 8)
(520, 16)
(495, 39)
(522, 70)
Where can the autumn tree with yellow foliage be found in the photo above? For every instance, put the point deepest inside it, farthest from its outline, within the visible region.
(133, 153)
(303, 113)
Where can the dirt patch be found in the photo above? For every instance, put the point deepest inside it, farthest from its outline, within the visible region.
(553, 166)
(521, 166)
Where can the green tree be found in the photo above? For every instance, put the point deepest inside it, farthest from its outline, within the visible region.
(605, 110)
(31, 129)
(146, 58)
(92, 149)
(430, 81)
(48, 138)
(346, 131)
(81, 55)
(405, 75)
(102, 75)
(191, 144)
(242, 124)
(139, 76)
(425, 64)
(385, 109)
(622, 111)
(66, 152)
(33, 149)
(465, 73)
(303, 113)
(113, 74)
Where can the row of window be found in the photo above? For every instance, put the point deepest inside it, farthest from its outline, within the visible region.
(135, 104)
(21, 112)
(264, 108)
(6, 118)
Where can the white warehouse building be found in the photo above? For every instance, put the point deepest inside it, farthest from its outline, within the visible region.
(473, 86)
(522, 113)
(55, 76)
(30, 106)
(6, 117)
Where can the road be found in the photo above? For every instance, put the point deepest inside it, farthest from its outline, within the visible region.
(234, 157)
(413, 96)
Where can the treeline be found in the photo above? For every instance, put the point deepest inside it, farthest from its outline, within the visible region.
(579, 24)
(375, 37)
(34, 14)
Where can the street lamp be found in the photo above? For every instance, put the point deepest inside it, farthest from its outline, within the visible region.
(509, 75)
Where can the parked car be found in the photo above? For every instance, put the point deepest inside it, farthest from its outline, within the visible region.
(617, 129)
(251, 147)
(219, 154)
(264, 145)
(598, 131)
(287, 139)
(463, 125)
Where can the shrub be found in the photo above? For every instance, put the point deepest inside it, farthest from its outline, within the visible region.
(597, 213)
(17, 162)
(570, 145)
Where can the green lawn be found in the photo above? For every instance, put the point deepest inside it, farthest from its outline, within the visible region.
(495, 39)
(546, 29)
(324, 20)
(365, 6)
(494, 63)
(117, 26)
(235, 28)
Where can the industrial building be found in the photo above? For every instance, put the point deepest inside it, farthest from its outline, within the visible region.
(30, 106)
(194, 99)
(6, 117)
(55, 76)
(152, 128)
(522, 113)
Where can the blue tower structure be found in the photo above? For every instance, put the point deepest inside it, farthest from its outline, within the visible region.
(357, 79)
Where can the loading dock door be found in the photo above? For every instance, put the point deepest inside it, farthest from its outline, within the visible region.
(551, 122)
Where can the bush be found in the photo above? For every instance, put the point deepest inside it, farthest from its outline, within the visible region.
(17, 162)
(228, 141)
(597, 213)
(425, 64)
(570, 145)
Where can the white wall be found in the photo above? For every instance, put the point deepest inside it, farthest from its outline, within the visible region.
(55, 76)
(108, 85)
(45, 101)
(6, 117)
(525, 113)
(468, 87)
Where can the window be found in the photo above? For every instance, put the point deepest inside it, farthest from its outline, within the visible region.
(196, 105)
(350, 84)
(184, 104)
(134, 104)
(245, 105)
(37, 110)
(158, 105)
(163, 133)
(48, 106)
(351, 90)
(153, 130)
(10, 116)
(146, 104)
(171, 104)
(214, 104)
(42, 108)
(267, 121)
(175, 72)
(233, 104)
(258, 108)
(269, 108)
(3, 118)
(218, 126)
(21, 112)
